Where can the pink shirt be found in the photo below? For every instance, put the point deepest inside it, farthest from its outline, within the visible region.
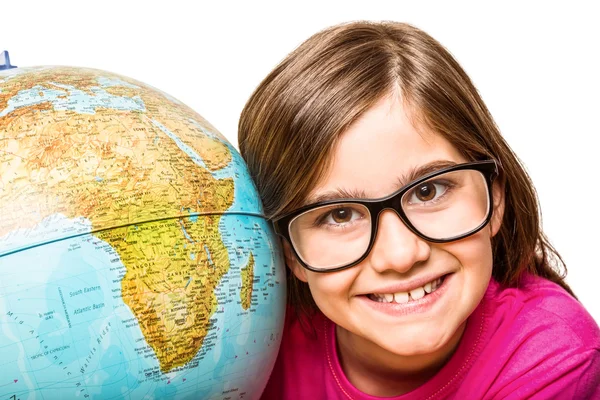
(531, 342)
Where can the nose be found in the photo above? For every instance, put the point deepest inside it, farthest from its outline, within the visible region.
(396, 247)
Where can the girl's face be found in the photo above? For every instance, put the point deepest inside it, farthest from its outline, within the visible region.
(376, 153)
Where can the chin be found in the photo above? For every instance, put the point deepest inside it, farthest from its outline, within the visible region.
(422, 340)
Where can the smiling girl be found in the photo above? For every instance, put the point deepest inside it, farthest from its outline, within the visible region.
(417, 265)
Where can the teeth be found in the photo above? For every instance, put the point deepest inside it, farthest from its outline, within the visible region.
(427, 287)
(417, 293)
(401, 297)
(375, 297)
(405, 297)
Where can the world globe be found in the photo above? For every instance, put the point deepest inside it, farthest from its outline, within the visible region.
(135, 261)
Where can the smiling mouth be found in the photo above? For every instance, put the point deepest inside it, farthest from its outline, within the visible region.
(406, 297)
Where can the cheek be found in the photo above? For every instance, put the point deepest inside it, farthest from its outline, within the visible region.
(474, 254)
(330, 287)
(474, 258)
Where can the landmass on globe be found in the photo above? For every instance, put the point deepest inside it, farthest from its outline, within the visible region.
(150, 181)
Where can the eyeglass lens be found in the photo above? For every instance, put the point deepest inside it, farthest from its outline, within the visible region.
(443, 207)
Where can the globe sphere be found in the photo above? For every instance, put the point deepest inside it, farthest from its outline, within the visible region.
(135, 260)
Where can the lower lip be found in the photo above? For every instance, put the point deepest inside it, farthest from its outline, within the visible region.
(422, 305)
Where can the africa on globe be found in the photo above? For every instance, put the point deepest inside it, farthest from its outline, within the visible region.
(135, 260)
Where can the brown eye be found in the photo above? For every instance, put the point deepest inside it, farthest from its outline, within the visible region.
(341, 215)
(425, 192)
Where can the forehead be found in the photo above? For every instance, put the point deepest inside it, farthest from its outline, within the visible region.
(380, 149)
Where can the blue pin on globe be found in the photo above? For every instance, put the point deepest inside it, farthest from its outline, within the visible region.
(5, 61)
(135, 260)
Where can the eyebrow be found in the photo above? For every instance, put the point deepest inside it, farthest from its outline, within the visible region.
(408, 177)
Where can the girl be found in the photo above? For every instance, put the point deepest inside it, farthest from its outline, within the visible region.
(417, 266)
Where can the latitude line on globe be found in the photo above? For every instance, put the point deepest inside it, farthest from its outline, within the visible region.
(250, 214)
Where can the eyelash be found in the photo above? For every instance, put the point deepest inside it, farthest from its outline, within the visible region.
(449, 186)
(320, 220)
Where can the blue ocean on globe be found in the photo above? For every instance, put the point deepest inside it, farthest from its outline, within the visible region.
(135, 260)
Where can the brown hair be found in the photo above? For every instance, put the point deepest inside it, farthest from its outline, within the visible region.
(295, 117)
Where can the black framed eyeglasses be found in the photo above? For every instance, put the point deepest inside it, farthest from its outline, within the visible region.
(440, 207)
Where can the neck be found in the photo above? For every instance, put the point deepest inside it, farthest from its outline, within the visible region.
(378, 372)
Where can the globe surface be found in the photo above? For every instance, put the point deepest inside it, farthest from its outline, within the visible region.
(135, 261)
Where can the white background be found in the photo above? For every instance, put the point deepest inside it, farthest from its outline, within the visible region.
(536, 65)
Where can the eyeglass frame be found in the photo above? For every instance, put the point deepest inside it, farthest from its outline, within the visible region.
(488, 168)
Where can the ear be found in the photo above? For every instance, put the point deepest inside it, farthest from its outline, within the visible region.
(498, 212)
(292, 263)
